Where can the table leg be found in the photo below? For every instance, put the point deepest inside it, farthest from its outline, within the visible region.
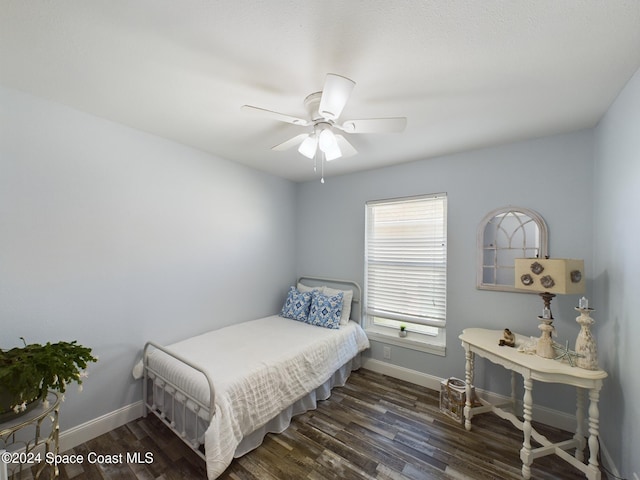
(514, 401)
(469, 383)
(579, 436)
(4, 475)
(594, 424)
(525, 452)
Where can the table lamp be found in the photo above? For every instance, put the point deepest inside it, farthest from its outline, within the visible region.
(549, 277)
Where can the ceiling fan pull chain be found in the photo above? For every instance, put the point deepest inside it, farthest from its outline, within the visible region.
(322, 168)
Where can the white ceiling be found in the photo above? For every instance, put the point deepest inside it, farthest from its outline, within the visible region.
(466, 73)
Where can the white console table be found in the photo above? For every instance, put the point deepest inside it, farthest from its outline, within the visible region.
(484, 343)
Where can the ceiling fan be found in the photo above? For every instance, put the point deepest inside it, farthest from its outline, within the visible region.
(324, 109)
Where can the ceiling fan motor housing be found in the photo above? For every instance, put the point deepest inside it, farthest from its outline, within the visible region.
(312, 104)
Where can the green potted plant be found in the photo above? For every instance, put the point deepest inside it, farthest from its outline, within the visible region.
(403, 330)
(27, 373)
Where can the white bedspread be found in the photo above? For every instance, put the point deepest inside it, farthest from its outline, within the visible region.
(258, 368)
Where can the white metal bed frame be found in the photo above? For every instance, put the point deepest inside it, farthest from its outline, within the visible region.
(158, 391)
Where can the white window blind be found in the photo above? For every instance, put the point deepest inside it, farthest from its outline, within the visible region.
(406, 259)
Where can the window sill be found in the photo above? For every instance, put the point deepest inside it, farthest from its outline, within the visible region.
(413, 341)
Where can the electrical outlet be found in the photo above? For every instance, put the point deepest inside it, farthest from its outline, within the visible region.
(386, 352)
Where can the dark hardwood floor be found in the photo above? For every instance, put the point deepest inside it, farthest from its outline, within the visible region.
(375, 427)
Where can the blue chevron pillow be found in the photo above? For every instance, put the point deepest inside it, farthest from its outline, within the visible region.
(296, 306)
(325, 310)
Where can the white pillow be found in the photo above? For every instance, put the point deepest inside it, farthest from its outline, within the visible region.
(304, 288)
(346, 305)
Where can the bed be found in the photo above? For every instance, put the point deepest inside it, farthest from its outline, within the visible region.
(224, 390)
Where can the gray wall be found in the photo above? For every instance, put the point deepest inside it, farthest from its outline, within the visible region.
(113, 237)
(550, 175)
(616, 192)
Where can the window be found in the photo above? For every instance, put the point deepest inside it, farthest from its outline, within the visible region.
(503, 235)
(406, 267)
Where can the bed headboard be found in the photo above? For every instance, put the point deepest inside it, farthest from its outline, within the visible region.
(356, 303)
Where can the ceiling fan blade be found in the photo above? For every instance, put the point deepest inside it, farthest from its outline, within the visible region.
(335, 93)
(346, 148)
(374, 125)
(292, 142)
(275, 115)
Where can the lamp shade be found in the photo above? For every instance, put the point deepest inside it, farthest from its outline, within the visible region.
(328, 144)
(308, 146)
(553, 275)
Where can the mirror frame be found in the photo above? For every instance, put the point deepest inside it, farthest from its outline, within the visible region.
(543, 241)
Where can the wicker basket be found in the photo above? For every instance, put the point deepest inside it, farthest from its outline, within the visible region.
(453, 396)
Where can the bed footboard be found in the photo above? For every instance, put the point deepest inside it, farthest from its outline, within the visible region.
(173, 405)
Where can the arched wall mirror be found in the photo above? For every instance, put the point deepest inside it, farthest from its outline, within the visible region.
(505, 234)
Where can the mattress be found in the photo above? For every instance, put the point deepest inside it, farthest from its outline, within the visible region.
(258, 369)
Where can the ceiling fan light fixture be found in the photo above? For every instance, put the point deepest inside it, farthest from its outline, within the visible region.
(329, 144)
(309, 146)
(324, 108)
(332, 153)
(327, 140)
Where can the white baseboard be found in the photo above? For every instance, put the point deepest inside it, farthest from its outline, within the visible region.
(402, 373)
(93, 428)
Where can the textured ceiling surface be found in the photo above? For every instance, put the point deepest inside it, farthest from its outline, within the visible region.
(466, 73)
